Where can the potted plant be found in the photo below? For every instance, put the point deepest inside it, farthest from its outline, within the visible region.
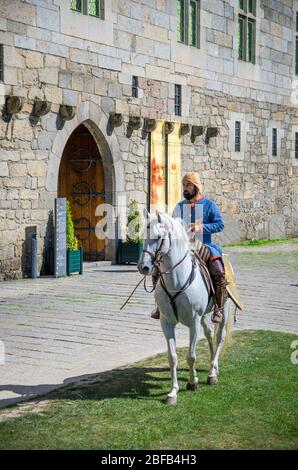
(74, 260)
(131, 250)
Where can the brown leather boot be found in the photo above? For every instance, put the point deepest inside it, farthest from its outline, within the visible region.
(217, 271)
(155, 314)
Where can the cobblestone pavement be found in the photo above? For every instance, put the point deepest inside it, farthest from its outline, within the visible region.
(57, 331)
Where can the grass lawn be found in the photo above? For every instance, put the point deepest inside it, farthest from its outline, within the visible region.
(276, 241)
(254, 405)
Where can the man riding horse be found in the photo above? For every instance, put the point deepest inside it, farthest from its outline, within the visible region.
(202, 216)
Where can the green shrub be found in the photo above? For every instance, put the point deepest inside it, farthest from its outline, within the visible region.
(71, 240)
(134, 223)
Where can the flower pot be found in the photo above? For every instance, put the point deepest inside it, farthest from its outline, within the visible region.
(129, 252)
(74, 262)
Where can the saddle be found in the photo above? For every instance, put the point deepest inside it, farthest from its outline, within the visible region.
(202, 254)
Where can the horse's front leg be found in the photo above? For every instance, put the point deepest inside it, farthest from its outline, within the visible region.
(169, 332)
(194, 334)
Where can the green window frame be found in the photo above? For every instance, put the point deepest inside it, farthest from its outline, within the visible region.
(181, 20)
(247, 30)
(188, 22)
(76, 5)
(89, 7)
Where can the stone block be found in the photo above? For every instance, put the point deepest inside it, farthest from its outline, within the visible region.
(159, 19)
(162, 51)
(279, 116)
(17, 169)
(219, 23)
(129, 25)
(24, 42)
(4, 169)
(14, 57)
(28, 194)
(37, 168)
(47, 19)
(34, 60)
(45, 140)
(22, 130)
(49, 76)
(70, 97)
(223, 39)
(53, 94)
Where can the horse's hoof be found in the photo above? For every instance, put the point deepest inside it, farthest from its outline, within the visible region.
(212, 380)
(171, 401)
(191, 387)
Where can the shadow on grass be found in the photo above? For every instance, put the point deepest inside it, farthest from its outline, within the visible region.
(138, 383)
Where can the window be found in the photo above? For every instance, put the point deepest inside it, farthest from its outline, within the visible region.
(178, 100)
(134, 90)
(247, 30)
(89, 7)
(274, 142)
(1, 63)
(181, 20)
(76, 5)
(237, 136)
(188, 22)
(296, 144)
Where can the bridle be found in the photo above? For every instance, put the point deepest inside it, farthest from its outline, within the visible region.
(157, 258)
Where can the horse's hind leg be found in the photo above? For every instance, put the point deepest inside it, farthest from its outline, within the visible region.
(220, 338)
(169, 332)
(194, 333)
(208, 335)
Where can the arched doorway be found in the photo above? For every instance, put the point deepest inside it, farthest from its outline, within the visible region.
(81, 181)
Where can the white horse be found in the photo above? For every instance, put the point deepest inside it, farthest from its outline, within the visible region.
(168, 249)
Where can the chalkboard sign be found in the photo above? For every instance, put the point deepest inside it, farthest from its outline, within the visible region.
(60, 236)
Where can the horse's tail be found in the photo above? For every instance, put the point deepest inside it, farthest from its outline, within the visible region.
(228, 337)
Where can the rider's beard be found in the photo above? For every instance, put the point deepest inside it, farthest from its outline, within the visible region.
(190, 195)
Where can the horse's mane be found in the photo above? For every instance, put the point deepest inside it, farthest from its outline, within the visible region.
(177, 226)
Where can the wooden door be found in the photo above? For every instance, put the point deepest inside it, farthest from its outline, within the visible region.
(81, 181)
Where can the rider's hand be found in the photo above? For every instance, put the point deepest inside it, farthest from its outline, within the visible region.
(196, 227)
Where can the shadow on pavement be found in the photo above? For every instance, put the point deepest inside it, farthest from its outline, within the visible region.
(134, 383)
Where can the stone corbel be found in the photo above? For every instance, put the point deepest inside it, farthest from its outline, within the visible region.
(135, 122)
(196, 131)
(149, 125)
(67, 112)
(116, 119)
(169, 127)
(41, 108)
(210, 132)
(184, 129)
(14, 104)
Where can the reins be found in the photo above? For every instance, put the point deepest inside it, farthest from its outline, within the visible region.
(157, 258)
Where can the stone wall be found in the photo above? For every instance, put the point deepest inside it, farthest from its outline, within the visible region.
(64, 57)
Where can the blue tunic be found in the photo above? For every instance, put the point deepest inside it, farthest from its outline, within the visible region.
(209, 213)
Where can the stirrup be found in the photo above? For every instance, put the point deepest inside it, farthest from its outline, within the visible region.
(217, 316)
(155, 314)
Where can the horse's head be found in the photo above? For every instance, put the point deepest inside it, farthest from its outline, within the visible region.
(157, 237)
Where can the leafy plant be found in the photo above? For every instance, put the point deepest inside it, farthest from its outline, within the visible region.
(71, 240)
(134, 223)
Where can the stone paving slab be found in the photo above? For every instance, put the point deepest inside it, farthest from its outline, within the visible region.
(57, 331)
